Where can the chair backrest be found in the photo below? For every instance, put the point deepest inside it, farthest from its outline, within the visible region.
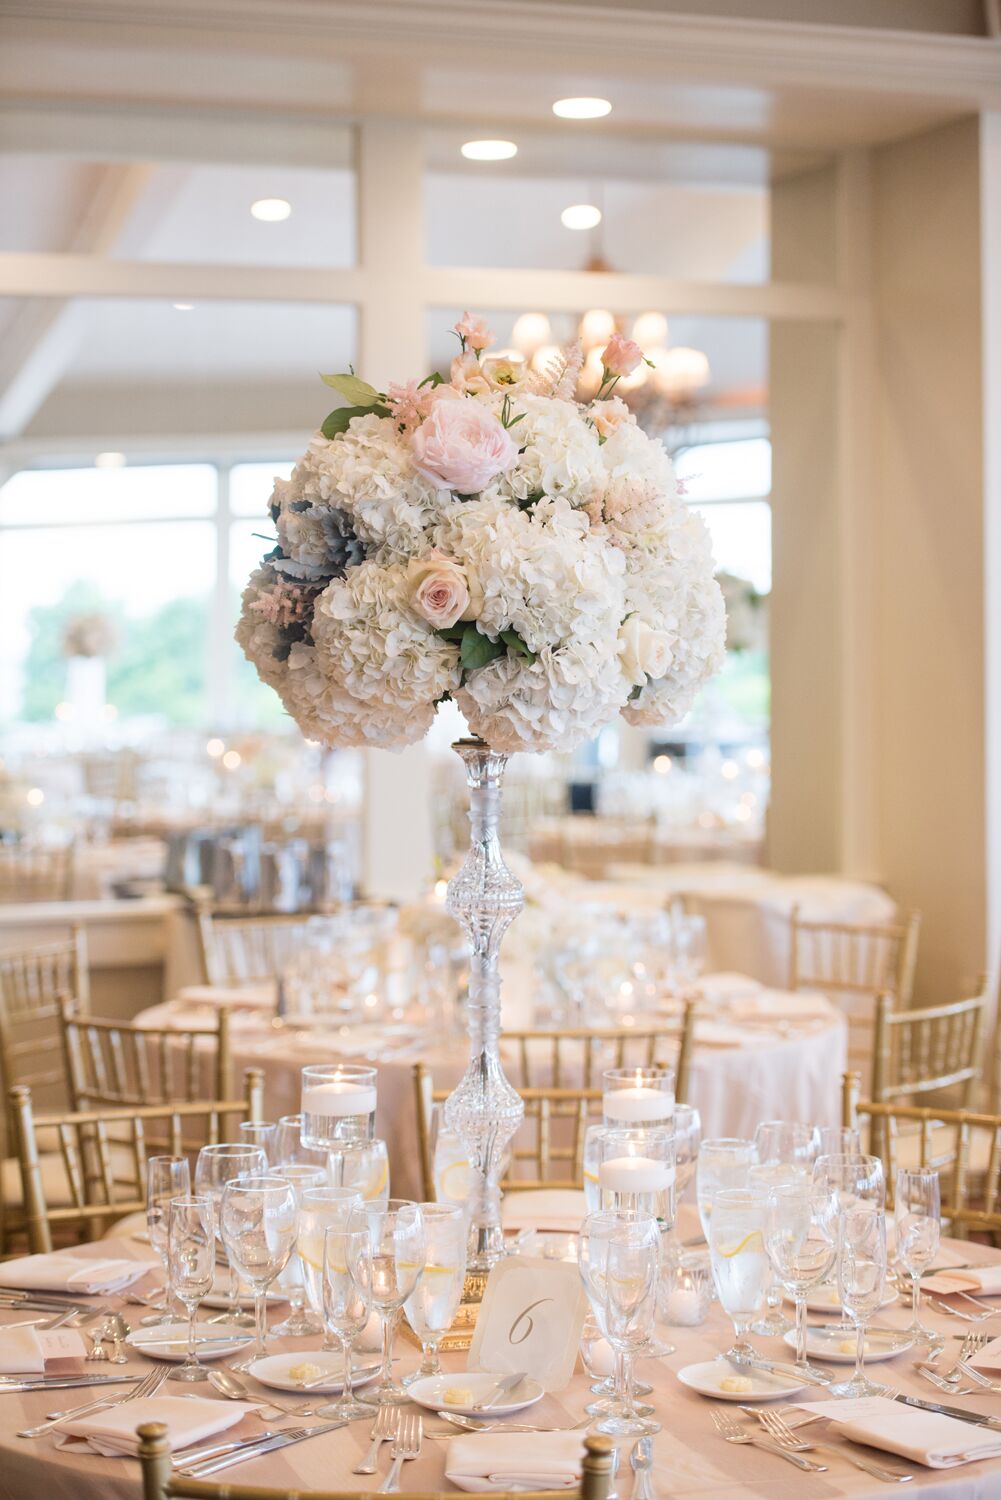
(890, 1122)
(118, 1062)
(240, 949)
(104, 1153)
(159, 1483)
(919, 1051)
(854, 958)
(33, 872)
(32, 982)
(579, 1055)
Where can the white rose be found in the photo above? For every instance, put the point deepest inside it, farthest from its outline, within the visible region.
(643, 652)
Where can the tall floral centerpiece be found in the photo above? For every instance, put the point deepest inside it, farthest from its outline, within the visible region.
(487, 539)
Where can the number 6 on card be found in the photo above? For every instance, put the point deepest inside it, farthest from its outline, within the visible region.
(530, 1319)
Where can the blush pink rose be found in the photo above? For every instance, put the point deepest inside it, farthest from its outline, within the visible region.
(441, 589)
(467, 374)
(475, 331)
(462, 446)
(621, 356)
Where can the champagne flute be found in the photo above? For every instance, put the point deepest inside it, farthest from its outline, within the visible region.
(167, 1177)
(786, 1149)
(618, 1254)
(260, 1133)
(432, 1305)
(801, 1238)
(397, 1236)
(347, 1303)
(722, 1163)
(918, 1211)
(853, 1180)
(258, 1228)
(216, 1165)
(321, 1208)
(191, 1257)
(861, 1277)
(740, 1265)
(300, 1322)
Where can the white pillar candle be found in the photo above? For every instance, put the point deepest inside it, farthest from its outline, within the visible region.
(638, 1103)
(339, 1097)
(635, 1174)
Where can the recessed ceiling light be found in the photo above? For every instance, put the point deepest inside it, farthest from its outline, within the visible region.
(109, 461)
(580, 216)
(184, 306)
(489, 150)
(582, 108)
(271, 210)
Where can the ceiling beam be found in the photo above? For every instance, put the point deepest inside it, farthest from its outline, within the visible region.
(44, 275)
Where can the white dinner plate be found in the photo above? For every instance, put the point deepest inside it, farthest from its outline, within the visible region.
(430, 1392)
(837, 1345)
(825, 1299)
(219, 1294)
(170, 1341)
(708, 1379)
(274, 1371)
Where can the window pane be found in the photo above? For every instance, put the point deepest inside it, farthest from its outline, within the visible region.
(47, 496)
(250, 485)
(726, 471)
(742, 540)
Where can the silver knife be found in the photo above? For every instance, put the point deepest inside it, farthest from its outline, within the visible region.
(503, 1386)
(977, 1418)
(191, 1456)
(255, 1449)
(65, 1383)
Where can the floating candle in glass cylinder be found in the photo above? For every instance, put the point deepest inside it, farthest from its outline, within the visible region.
(338, 1105)
(636, 1170)
(637, 1096)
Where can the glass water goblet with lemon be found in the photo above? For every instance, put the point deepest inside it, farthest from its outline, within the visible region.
(432, 1305)
(740, 1265)
(320, 1209)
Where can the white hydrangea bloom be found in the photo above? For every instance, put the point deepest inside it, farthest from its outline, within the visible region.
(368, 472)
(560, 453)
(553, 703)
(260, 639)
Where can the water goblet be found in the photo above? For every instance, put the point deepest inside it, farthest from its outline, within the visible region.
(722, 1163)
(258, 1228)
(288, 1148)
(167, 1177)
(918, 1213)
(347, 1304)
(861, 1276)
(740, 1264)
(853, 1179)
(364, 1169)
(618, 1253)
(191, 1257)
(396, 1232)
(801, 1238)
(432, 1305)
(300, 1321)
(840, 1140)
(785, 1148)
(599, 1362)
(321, 1208)
(216, 1165)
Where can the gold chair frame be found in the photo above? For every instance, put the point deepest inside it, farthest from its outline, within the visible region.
(33, 981)
(862, 958)
(161, 1483)
(921, 1051)
(92, 1143)
(242, 950)
(111, 1062)
(31, 872)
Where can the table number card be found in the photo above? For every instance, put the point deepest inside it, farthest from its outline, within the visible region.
(530, 1319)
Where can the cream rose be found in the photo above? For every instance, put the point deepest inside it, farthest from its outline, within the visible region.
(643, 652)
(441, 591)
(462, 446)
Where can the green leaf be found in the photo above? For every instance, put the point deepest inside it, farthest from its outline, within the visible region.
(453, 632)
(530, 500)
(476, 649)
(356, 392)
(514, 642)
(338, 420)
(433, 380)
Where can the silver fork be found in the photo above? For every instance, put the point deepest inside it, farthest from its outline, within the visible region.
(973, 1344)
(783, 1434)
(954, 1312)
(406, 1445)
(147, 1387)
(950, 1385)
(383, 1428)
(731, 1432)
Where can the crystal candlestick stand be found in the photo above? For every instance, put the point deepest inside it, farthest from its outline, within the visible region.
(484, 897)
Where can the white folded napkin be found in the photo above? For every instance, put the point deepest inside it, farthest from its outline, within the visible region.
(59, 1272)
(23, 1351)
(983, 1279)
(243, 997)
(925, 1437)
(989, 1357)
(113, 1431)
(537, 1461)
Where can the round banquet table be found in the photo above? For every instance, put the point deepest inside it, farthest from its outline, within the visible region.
(690, 1461)
(786, 1064)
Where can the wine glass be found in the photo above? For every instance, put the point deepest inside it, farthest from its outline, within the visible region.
(618, 1254)
(787, 1142)
(596, 1354)
(396, 1232)
(258, 1229)
(167, 1177)
(434, 1302)
(191, 1258)
(347, 1304)
(840, 1140)
(321, 1208)
(217, 1165)
(853, 1180)
(918, 1211)
(300, 1322)
(740, 1265)
(260, 1133)
(722, 1163)
(288, 1148)
(861, 1275)
(801, 1238)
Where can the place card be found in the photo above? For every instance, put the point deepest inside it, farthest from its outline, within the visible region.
(530, 1319)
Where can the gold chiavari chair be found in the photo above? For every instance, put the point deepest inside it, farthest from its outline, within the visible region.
(539, 1058)
(236, 950)
(907, 1135)
(118, 1062)
(160, 1482)
(854, 963)
(34, 872)
(104, 1153)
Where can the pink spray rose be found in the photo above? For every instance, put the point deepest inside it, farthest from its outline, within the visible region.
(607, 415)
(621, 356)
(467, 374)
(462, 446)
(442, 591)
(475, 332)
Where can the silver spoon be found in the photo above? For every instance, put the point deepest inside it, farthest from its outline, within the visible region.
(231, 1386)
